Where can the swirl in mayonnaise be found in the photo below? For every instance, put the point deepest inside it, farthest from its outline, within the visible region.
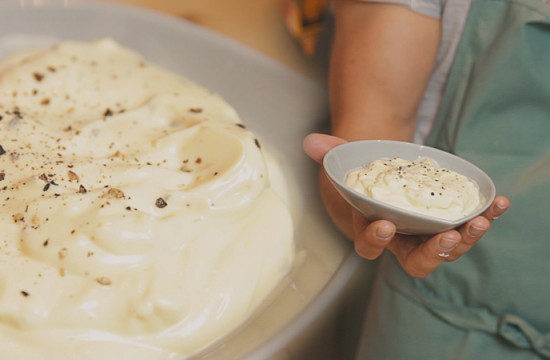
(421, 186)
(139, 217)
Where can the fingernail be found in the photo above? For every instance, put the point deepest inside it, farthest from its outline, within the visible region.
(500, 205)
(447, 245)
(474, 231)
(383, 233)
(499, 208)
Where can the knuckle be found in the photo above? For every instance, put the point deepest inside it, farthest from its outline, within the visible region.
(416, 273)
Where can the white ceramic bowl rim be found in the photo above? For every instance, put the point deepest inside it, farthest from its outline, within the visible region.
(342, 159)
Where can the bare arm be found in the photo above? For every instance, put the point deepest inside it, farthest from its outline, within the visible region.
(381, 62)
(382, 59)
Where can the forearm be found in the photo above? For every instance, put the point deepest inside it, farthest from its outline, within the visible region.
(382, 59)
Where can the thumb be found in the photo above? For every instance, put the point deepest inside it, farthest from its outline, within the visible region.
(317, 145)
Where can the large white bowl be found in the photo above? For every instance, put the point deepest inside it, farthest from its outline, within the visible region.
(278, 104)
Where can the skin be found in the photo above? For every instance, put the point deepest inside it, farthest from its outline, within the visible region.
(382, 58)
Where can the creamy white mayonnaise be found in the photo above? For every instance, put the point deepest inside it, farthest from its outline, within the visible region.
(420, 186)
(139, 218)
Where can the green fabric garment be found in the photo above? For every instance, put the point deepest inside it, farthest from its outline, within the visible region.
(494, 303)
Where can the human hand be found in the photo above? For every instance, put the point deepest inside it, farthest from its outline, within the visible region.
(418, 255)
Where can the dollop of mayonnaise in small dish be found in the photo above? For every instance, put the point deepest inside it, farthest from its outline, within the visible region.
(139, 218)
(420, 186)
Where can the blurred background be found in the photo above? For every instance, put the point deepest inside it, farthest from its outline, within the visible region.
(295, 33)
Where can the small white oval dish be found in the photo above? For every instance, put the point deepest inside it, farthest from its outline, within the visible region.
(342, 159)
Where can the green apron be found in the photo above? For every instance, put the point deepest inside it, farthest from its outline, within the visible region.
(493, 303)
